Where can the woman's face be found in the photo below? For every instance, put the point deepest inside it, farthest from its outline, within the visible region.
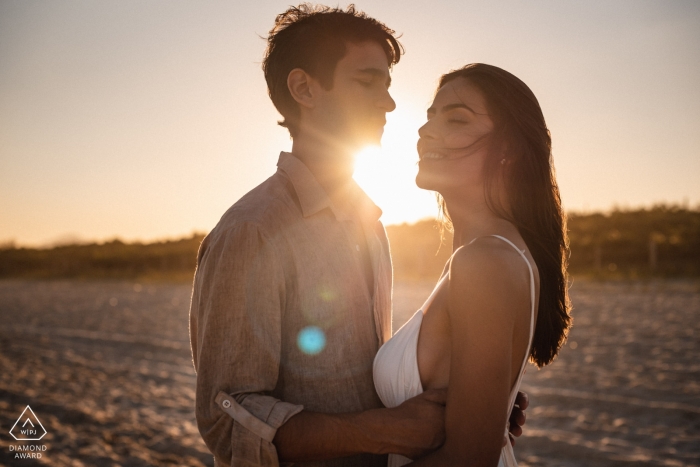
(453, 144)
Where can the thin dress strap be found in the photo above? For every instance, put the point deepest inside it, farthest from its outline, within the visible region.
(532, 292)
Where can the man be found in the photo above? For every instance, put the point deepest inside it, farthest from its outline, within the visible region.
(292, 294)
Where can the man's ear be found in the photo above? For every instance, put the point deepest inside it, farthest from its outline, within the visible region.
(302, 87)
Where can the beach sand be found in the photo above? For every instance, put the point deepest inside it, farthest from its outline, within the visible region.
(106, 367)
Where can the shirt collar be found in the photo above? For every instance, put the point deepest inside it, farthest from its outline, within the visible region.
(313, 197)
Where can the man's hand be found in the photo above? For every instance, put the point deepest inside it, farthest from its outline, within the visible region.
(418, 425)
(517, 418)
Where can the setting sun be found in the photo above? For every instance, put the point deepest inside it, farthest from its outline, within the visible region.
(388, 173)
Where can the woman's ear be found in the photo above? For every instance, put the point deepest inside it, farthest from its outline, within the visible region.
(301, 87)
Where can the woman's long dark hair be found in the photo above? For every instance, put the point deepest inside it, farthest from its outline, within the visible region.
(522, 138)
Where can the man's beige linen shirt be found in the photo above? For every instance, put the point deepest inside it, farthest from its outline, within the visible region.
(282, 319)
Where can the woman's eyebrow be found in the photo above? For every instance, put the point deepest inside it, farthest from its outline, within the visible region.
(448, 107)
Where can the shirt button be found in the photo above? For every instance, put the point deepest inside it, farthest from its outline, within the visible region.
(357, 247)
(226, 403)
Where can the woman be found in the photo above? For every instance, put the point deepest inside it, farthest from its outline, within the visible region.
(502, 297)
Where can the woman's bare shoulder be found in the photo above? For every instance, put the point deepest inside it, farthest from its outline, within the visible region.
(488, 271)
(487, 255)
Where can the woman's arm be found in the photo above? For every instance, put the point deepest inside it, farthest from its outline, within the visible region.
(486, 293)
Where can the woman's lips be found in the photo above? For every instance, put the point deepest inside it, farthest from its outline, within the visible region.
(432, 155)
(426, 152)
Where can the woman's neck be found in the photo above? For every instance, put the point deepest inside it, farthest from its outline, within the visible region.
(474, 219)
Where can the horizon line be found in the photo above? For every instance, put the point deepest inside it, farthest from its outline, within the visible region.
(72, 239)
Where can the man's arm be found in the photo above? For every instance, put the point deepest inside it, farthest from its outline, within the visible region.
(236, 344)
(412, 429)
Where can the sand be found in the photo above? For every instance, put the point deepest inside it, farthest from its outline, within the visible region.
(106, 367)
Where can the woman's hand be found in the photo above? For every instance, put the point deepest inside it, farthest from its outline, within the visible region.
(517, 418)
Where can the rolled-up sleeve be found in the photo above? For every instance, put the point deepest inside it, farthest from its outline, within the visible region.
(235, 333)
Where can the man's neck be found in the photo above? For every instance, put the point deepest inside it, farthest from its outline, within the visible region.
(331, 166)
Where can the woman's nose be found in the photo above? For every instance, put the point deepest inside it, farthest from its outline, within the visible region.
(426, 131)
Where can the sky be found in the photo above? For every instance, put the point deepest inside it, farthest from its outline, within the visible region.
(147, 120)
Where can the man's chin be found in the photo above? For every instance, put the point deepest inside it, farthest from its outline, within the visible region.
(373, 140)
(362, 141)
(372, 136)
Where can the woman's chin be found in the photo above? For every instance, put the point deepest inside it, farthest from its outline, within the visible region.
(426, 181)
(420, 182)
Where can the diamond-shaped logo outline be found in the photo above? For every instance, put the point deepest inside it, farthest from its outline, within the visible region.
(35, 418)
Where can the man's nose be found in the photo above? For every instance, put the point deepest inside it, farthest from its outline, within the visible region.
(386, 102)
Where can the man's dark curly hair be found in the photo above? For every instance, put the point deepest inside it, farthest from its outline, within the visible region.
(314, 38)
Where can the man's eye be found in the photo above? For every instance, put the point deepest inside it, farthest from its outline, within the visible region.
(365, 83)
(454, 120)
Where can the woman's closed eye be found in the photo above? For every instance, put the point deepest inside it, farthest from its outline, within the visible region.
(457, 116)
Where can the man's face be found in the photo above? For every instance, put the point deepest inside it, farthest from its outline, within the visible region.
(353, 111)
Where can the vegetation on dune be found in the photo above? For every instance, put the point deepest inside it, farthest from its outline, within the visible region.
(663, 241)
(167, 260)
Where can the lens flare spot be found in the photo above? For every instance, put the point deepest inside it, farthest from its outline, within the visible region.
(326, 294)
(311, 340)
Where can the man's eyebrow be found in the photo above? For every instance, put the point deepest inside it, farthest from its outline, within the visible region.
(376, 73)
(449, 107)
